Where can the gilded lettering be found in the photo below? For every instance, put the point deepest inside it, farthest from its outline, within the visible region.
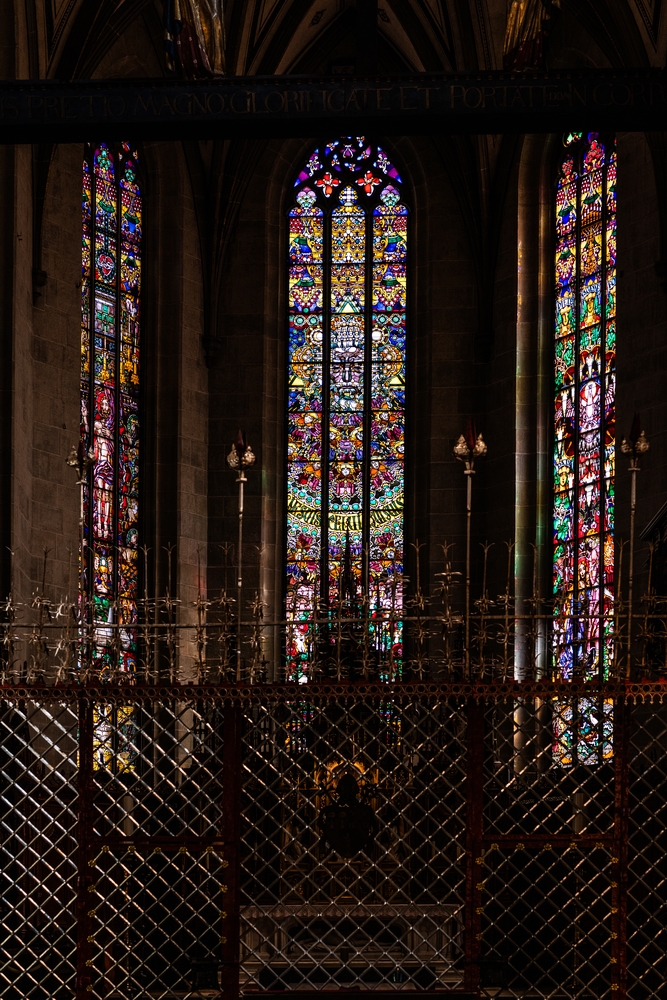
(454, 94)
(117, 105)
(178, 104)
(215, 103)
(239, 102)
(638, 93)
(379, 98)
(197, 105)
(335, 93)
(472, 97)
(8, 108)
(489, 97)
(274, 101)
(660, 96)
(602, 95)
(621, 94)
(404, 106)
(427, 94)
(145, 106)
(35, 104)
(64, 104)
(353, 97)
(553, 96)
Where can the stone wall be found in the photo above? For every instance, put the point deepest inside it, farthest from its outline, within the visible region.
(194, 401)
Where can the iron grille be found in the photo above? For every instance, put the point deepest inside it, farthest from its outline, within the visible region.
(647, 852)
(175, 842)
(392, 913)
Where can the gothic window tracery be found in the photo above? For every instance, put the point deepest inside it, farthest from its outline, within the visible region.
(584, 437)
(346, 410)
(110, 372)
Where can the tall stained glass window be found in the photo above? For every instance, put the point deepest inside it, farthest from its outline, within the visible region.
(584, 452)
(110, 324)
(346, 414)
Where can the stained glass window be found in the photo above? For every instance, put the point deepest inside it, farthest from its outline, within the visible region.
(110, 324)
(346, 414)
(584, 451)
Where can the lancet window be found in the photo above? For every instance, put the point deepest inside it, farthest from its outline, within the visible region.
(348, 231)
(584, 439)
(110, 344)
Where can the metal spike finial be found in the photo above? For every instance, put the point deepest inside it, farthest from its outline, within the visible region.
(642, 444)
(461, 450)
(241, 455)
(480, 448)
(81, 460)
(636, 446)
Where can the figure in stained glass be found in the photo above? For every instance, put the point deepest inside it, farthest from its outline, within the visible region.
(103, 470)
(111, 296)
(345, 444)
(584, 439)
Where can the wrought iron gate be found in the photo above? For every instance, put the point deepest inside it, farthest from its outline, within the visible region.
(174, 841)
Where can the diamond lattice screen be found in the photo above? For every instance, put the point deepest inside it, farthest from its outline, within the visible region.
(469, 856)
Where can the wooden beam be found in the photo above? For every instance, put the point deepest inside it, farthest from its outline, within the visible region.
(419, 104)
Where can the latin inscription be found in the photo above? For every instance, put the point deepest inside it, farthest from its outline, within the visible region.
(25, 104)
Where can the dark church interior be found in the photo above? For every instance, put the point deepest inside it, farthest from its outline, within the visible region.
(333, 499)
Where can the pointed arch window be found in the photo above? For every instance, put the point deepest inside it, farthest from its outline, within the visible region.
(348, 231)
(110, 330)
(584, 452)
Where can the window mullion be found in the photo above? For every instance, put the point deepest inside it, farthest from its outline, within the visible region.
(603, 396)
(115, 524)
(89, 538)
(326, 408)
(576, 433)
(368, 414)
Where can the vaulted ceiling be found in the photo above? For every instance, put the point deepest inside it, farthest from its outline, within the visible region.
(70, 39)
(75, 39)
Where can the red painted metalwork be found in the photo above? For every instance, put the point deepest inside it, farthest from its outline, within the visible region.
(474, 849)
(85, 877)
(620, 856)
(232, 778)
(244, 694)
(221, 835)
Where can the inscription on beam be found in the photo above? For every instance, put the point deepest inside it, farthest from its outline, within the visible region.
(451, 101)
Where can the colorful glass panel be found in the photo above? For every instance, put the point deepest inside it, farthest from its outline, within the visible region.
(346, 414)
(304, 418)
(390, 225)
(584, 440)
(347, 376)
(111, 267)
(114, 738)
